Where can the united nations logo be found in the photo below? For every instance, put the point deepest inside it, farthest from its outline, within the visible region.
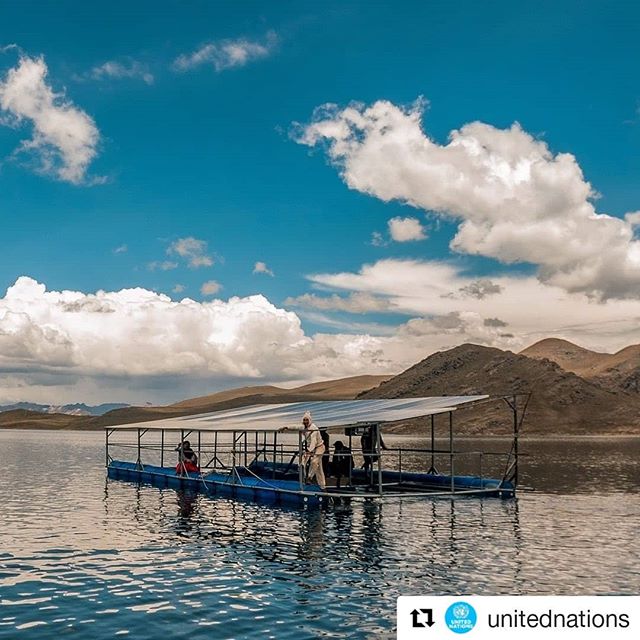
(460, 617)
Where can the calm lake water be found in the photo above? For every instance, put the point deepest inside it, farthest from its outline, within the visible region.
(84, 557)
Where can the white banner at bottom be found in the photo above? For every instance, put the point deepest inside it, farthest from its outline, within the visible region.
(521, 617)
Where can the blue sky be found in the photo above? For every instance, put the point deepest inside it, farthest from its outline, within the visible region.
(214, 154)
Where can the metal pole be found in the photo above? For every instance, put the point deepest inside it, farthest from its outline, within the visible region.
(233, 457)
(275, 452)
(106, 448)
(162, 447)
(515, 439)
(379, 450)
(351, 454)
(432, 469)
(138, 461)
(453, 483)
(199, 447)
(300, 463)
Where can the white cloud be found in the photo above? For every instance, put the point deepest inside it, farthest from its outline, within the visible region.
(354, 303)
(112, 69)
(514, 199)
(377, 240)
(65, 139)
(179, 288)
(633, 218)
(210, 288)
(406, 229)
(162, 265)
(227, 54)
(261, 267)
(192, 250)
(532, 309)
(136, 345)
(121, 249)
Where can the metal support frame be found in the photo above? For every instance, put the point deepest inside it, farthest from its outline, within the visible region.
(300, 463)
(451, 454)
(511, 473)
(432, 468)
(379, 451)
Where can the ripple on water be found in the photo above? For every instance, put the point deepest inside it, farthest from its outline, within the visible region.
(111, 558)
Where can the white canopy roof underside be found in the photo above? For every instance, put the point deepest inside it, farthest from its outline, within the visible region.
(326, 414)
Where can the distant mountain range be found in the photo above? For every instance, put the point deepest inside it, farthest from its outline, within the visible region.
(78, 409)
(341, 389)
(573, 391)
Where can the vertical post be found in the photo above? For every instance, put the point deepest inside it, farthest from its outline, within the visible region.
(433, 443)
(138, 461)
(515, 439)
(257, 456)
(180, 457)
(379, 450)
(233, 457)
(351, 454)
(300, 462)
(451, 466)
(215, 450)
(246, 447)
(162, 447)
(275, 452)
(106, 448)
(199, 458)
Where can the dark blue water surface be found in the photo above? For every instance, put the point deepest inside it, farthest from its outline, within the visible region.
(84, 557)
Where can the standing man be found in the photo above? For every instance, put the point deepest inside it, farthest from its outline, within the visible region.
(314, 450)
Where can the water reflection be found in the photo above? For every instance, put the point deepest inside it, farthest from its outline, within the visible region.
(96, 556)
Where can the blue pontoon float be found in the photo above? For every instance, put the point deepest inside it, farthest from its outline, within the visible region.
(254, 452)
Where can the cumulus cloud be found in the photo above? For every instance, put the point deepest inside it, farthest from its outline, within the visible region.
(113, 69)
(210, 288)
(192, 250)
(227, 54)
(179, 288)
(406, 229)
(261, 267)
(354, 303)
(514, 199)
(532, 309)
(633, 218)
(65, 139)
(134, 340)
(135, 344)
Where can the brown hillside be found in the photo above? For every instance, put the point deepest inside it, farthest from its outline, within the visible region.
(561, 402)
(23, 419)
(616, 371)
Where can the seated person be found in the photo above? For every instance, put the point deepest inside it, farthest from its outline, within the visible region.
(187, 458)
(342, 463)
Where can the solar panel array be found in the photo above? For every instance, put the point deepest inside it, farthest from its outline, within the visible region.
(327, 414)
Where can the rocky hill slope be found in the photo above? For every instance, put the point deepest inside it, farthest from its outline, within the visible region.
(561, 401)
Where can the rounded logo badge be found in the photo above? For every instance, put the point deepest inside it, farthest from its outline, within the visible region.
(460, 617)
